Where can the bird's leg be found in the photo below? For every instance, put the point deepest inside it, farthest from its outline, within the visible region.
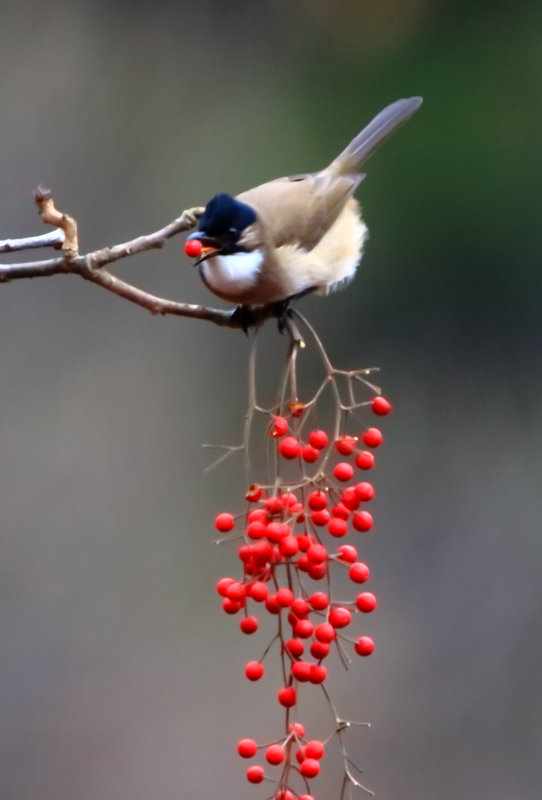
(283, 312)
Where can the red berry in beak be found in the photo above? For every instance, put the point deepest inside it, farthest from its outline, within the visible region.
(193, 248)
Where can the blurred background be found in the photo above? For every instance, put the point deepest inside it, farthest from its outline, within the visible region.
(119, 676)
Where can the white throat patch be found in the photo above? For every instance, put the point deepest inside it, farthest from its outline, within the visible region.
(233, 274)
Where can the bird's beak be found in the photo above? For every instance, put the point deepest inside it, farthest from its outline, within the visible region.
(209, 245)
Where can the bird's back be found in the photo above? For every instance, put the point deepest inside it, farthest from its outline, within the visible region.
(300, 209)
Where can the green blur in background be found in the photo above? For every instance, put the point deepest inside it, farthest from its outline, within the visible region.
(119, 677)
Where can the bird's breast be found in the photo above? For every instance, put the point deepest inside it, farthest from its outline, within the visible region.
(232, 276)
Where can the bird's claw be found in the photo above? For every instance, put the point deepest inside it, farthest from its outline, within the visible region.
(243, 318)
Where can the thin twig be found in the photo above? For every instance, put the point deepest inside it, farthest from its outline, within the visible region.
(50, 239)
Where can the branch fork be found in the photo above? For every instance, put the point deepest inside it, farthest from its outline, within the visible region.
(90, 266)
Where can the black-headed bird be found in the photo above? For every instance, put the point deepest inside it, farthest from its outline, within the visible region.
(292, 235)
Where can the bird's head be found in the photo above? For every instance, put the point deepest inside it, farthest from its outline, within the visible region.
(220, 227)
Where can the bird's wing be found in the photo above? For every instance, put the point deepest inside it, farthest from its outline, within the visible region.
(299, 209)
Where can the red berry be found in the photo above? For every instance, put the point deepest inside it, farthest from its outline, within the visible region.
(295, 647)
(277, 531)
(296, 408)
(348, 553)
(337, 526)
(253, 493)
(275, 754)
(296, 728)
(303, 628)
(315, 749)
(289, 546)
(319, 650)
(364, 646)
(255, 774)
(249, 625)
(309, 454)
(365, 491)
(366, 602)
(340, 617)
(247, 748)
(302, 563)
(324, 632)
(373, 437)
(359, 572)
(317, 554)
(279, 428)
(380, 406)
(287, 696)
(231, 606)
(340, 511)
(319, 601)
(284, 794)
(245, 553)
(343, 471)
(256, 530)
(271, 604)
(349, 498)
(262, 552)
(305, 542)
(236, 591)
(365, 460)
(345, 445)
(309, 768)
(254, 670)
(305, 797)
(193, 248)
(317, 571)
(274, 505)
(288, 499)
(301, 670)
(259, 591)
(300, 607)
(363, 521)
(316, 501)
(320, 518)
(222, 586)
(300, 754)
(284, 597)
(318, 439)
(318, 673)
(289, 447)
(224, 522)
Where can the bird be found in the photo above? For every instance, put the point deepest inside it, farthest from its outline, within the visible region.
(294, 235)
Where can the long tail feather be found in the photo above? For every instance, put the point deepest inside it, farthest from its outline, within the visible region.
(362, 146)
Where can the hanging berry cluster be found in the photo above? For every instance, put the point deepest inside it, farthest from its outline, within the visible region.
(296, 534)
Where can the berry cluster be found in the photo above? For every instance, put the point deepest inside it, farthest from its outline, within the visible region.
(292, 534)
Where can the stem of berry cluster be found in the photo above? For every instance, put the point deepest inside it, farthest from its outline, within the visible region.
(303, 523)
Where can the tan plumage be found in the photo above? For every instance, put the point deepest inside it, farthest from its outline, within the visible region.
(308, 233)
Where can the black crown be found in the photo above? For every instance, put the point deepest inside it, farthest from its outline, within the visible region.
(226, 218)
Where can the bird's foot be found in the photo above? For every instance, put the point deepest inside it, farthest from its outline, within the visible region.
(243, 317)
(286, 323)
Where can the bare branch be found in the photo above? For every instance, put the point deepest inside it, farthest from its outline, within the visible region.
(90, 266)
(52, 239)
(51, 216)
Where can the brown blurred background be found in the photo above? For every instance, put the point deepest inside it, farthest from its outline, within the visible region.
(119, 677)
